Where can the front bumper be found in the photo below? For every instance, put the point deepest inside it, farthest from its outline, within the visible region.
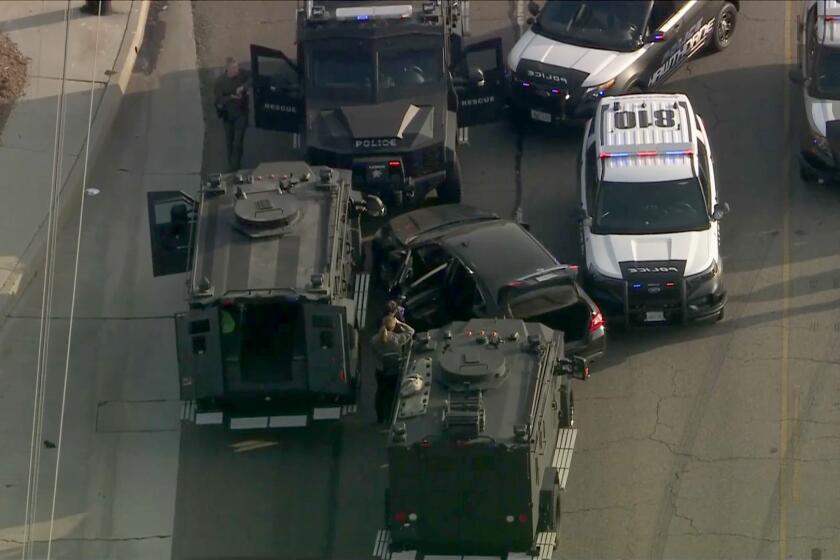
(688, 300)
(400, 179)
(554, 106)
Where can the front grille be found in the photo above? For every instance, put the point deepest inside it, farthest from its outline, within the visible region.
(425, 161)
(317, 156)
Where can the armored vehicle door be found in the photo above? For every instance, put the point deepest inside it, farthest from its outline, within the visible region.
(479, 76)
(278, 91)
(199, 353)
(327, 348)
(171, 219)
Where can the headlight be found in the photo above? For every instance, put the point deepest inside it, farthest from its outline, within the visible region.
(600, 90)
(705, 276)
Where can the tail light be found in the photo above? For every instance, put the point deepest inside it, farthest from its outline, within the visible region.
(342, 376)
(394, 163)
(596, 320)
(522, 518)
(400, 517)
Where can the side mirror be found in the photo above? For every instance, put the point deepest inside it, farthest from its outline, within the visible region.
(580, 367)
(475, 77)
(720, 211)
(533, 8)
(582, 214)
(526, 226)
(795, 75)
(530, 21)
(374, 206)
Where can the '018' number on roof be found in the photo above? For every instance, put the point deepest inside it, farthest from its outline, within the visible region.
(662, 118)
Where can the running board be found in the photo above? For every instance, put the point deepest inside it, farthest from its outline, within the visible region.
(215, 417)
(563, 451)
(361, 298)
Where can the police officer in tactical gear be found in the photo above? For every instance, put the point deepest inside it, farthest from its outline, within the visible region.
(388, 345)
(231, 93)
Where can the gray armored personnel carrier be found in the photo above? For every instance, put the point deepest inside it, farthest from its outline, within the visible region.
(381, 87)
(481, 443)
(275, 300)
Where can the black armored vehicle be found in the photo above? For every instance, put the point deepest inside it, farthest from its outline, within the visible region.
(481, 443)
(275, 300)
(381, 87)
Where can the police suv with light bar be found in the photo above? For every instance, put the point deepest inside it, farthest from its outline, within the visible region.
(578, 51)
(818, 73)
(650, 213)
(381, 87)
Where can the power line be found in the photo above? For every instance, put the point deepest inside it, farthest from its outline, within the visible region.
(73, 296)
(46, 305)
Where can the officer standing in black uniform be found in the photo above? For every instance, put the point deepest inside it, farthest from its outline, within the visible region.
(231, 93)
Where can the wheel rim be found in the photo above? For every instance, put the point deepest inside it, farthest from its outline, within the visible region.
(727, 22)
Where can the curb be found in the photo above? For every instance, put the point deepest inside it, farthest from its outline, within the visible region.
(104, 114)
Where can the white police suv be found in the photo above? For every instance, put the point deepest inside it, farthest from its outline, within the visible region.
(578, 51)
(650, 212)
(818, 72)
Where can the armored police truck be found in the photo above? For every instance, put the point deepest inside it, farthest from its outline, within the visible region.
(481, 443)
(381, 87)
(275, 300)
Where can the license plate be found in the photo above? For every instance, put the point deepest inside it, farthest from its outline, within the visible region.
(541, 116)
(654, 316)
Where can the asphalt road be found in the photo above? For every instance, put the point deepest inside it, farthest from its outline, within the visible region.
(716, 441)
(709, 441)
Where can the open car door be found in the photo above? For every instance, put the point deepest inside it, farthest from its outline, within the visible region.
(278, 92)
(327, 347)
(199, 353)
(171, 219)
(479, 76)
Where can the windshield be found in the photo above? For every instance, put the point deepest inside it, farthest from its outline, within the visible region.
(356, 71)
(600, 24)
(402, 70)
(827, 73)
(639, 208)
(345, 71)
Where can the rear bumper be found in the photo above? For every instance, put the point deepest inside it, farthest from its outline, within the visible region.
(694, 301)
(202, 413)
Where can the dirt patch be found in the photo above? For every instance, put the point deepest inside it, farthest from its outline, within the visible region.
(12, 76)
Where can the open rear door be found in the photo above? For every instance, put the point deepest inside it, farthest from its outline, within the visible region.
(479, 75)
(199, 353)
(171, 218)
(327, 345)
(278, 95)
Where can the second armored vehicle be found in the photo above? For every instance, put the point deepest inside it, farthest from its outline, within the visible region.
(275, 301)
(481, 443)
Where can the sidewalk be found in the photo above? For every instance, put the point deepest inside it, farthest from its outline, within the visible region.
(28, 138)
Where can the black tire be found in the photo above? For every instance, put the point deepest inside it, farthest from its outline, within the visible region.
(807, 174)
(725, 24)
(449, 192)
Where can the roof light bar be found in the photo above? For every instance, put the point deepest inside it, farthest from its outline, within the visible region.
(646, 153)
(831, 18)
